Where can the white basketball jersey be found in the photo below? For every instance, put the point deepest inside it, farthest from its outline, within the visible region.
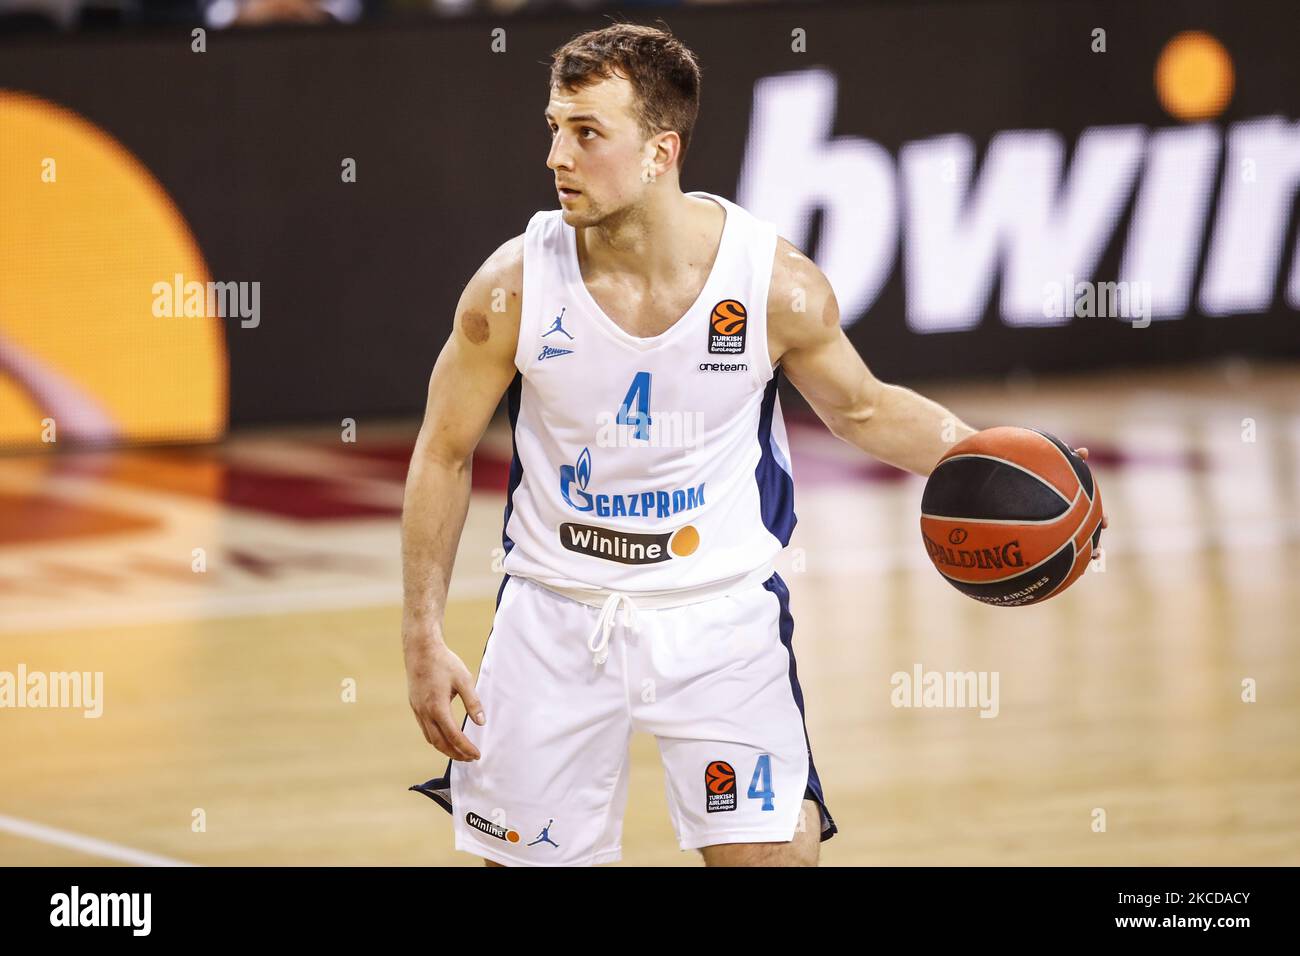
(646, 465)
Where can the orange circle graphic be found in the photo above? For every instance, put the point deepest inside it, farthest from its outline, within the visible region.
(85, 235)
(1194, 76)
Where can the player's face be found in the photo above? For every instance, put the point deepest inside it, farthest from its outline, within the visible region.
(596, 149)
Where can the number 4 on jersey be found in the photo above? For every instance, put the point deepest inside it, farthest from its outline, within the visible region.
(635, 409)
(762, 779)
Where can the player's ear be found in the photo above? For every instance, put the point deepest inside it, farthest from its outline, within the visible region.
(662, 151)
(672, 147)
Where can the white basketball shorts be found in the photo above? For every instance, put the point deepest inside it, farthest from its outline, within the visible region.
(713, 681)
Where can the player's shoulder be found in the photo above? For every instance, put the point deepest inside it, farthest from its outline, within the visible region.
(504, 268)
(801, 305)
(498, 284)
(491, 304)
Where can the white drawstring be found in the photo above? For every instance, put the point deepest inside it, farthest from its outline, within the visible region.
(605, 624)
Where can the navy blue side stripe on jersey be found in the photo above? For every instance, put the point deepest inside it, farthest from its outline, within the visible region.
(516, 466)
(814, 788)
(775, 485)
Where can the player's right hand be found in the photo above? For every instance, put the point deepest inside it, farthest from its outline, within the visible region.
(434, 676)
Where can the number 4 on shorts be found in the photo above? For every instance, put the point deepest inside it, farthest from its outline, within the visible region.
(762, 778)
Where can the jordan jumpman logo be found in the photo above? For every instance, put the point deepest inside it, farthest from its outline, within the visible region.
(545, 835)
(556, 326)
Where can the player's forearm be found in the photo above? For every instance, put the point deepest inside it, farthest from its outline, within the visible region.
(433, 516)
(904, 429)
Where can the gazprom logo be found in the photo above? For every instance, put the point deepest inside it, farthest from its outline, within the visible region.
(584, 468)
(655, 503)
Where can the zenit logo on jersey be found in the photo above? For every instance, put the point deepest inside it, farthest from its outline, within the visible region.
(719, 786)
(491, 829)
(727, 328)
(658, 503)
(548, 352)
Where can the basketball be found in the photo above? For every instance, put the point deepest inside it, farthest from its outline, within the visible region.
(1011, 516)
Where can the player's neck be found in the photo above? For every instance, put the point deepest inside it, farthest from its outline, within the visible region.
(653, 240)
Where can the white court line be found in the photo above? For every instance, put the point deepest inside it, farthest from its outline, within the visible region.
(129, 612)
(84, 844)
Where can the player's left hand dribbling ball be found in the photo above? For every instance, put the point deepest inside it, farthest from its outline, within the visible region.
(1011, 516)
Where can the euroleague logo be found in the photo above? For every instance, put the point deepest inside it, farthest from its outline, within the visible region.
(727, 328)
(720, 782)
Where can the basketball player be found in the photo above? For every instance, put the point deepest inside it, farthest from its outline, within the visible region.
(640, 334)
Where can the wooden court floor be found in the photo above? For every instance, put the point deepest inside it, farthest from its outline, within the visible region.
(227, 695)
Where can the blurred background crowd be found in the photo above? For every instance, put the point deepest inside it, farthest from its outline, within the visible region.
(27, 15)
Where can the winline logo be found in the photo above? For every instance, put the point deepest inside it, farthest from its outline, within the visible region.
(628, 547)
(508, 834)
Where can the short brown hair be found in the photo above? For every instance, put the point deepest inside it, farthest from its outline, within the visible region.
(664, 74)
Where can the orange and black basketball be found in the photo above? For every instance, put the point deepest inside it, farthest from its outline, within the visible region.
(1011, 516)
(728, 317)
